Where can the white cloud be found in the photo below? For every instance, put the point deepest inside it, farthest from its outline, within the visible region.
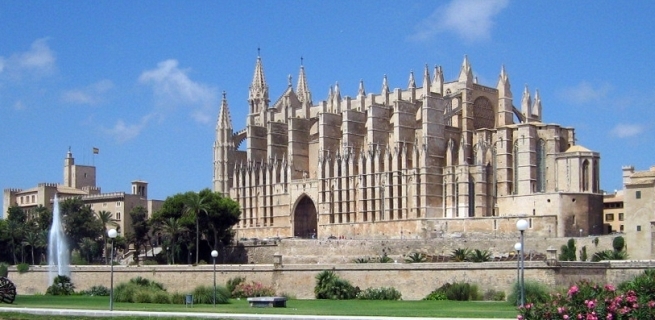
(172, 87)
(123, 132)
(39, 60)
(623, 130)
(586, 93)
(90, 95)
(471, 20)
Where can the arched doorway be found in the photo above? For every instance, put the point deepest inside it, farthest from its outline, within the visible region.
(304, 219)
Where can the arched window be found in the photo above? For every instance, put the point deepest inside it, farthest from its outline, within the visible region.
(541, 164)
(471, 196)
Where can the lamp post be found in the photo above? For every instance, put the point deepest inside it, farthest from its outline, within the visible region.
(112, 233)
(522, 225)
(214, 255)
(517, 247)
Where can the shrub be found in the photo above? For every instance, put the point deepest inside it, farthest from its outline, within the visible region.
(462, 291)
(478, 255)
(232, 283)
(177, 298)
(61, 286)
(205, 294)
(96, 291)
(161, 298)
(583, 254)
(383, 293)
(460, 255)
(252, 289)
(143, 282)
(142, 297)
(587, 300)
(330, 286)
(125, 292)
(618, 243)
(535, 292)
(493, 295)
(362, 260)
(436, 295)
(23, 267)
(643, 285)
(4, 269)
(416, 257)
(568, 251)
(385, 258)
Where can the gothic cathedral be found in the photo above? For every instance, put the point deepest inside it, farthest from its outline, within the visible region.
(444, 159)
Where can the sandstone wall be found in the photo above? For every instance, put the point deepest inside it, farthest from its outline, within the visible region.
(414, 281)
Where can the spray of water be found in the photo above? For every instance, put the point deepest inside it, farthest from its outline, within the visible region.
(58, 253)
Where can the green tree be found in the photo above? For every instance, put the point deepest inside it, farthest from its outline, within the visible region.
(34, 239)
(80, 221)
(106, 219)
(140, 228)
(195, 205)
(568, 251)
(88, 249)
(173, 229)
(43, 218)
(223, 214)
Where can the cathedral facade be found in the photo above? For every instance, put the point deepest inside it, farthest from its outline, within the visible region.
(441, 159)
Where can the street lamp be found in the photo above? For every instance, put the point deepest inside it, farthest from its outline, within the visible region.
(214, 255)
(112, 233)
(522, 225)
(517, 247)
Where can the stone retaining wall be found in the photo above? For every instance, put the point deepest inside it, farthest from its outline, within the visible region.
(414, 281)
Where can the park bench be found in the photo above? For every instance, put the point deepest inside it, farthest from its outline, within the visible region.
(263, 302)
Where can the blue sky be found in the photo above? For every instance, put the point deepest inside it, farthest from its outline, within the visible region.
(142, 80)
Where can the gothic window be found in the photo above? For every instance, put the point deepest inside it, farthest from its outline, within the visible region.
(456, 196)
(515, 166)
(585, 175)
(494, 172)
(471, 196)
(483, 113)
(541, 166)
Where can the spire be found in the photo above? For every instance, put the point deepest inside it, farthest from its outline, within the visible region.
(504, 89)
(437, 81)
(337, 99)
(465, 73)
(412, 83)
(426, 81)
(361, 92)
(304, 95)
(526, 102)
(536, 106)
(385, 85)
(258, 95)
(224, 118)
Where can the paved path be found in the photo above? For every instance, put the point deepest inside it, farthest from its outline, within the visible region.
(204, 315)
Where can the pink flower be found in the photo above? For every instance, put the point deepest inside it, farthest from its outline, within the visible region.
(610, 287)
(573, 290)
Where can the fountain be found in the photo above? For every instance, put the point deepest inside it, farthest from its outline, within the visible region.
(58, 255)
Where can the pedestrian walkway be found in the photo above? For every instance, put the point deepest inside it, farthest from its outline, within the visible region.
(203, 315)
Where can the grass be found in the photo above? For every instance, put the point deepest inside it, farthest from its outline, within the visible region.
(451, 309)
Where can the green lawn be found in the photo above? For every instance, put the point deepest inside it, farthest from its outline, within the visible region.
(452, 309)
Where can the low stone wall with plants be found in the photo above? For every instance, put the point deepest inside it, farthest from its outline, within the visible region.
(414, 281)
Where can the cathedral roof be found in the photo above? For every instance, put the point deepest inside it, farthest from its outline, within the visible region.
(577, 148)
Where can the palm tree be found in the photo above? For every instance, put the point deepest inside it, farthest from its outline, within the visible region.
(460, 255)
(106, 218)
(173, 228)
(193, 206)
(32, 239)
(478, 255)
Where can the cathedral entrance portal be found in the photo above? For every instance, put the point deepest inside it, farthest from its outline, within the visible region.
(304, 219)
